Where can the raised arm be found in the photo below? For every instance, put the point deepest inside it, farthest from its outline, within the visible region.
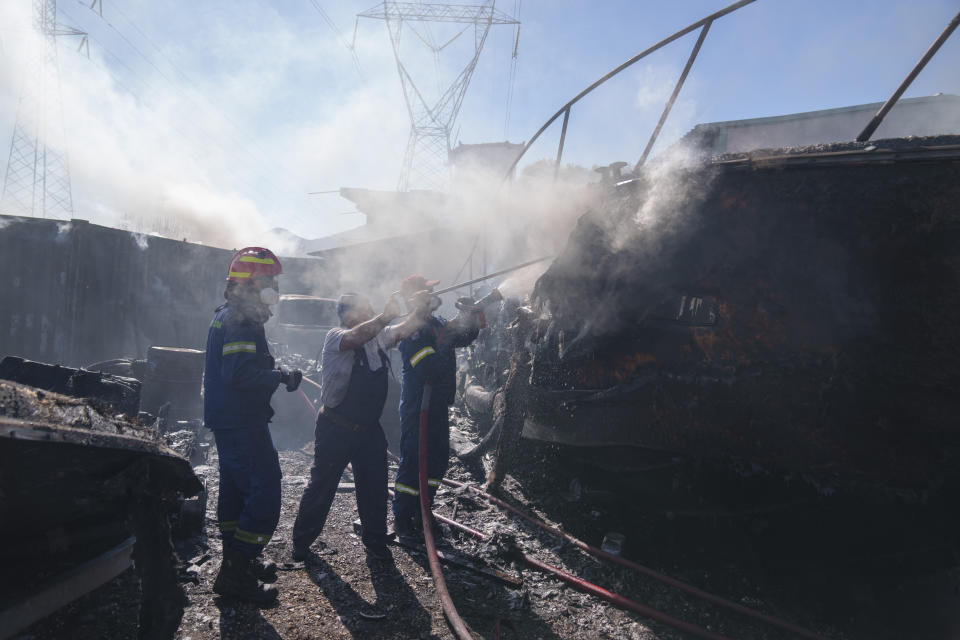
(413, 322)
(366, 331)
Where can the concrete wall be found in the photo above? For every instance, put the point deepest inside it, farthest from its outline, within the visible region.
(76, 293)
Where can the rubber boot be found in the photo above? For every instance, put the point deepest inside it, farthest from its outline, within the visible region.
(379, 553)
(406, 532)
(237, 580)
(264, 570)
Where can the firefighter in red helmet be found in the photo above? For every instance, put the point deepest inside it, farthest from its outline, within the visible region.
(239, 379)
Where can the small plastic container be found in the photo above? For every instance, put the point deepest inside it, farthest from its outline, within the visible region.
(613, 543)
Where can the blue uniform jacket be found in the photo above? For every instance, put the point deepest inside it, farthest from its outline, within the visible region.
(239, 377)
(429, 357)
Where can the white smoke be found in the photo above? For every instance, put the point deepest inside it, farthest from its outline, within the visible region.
(63, 232)
(671, 193)
(215, 160)
(140, 239)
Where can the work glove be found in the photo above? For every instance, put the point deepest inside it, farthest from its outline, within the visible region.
(471, 314)
(291, 378)
(423, 303)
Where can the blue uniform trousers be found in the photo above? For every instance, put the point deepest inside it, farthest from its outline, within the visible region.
(406, 499)
(248, 505)
(336, 445)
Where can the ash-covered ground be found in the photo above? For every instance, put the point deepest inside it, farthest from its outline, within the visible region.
(337, 594)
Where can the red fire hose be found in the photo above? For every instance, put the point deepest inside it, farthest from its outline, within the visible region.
(456, 622)
(579, 583)
(615, 598)
(620, 601)
(683, 586)
(314, 383)
(593, 589)
(313, 409)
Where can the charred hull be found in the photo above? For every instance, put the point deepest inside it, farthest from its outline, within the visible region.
(80, 487)
(796, 311)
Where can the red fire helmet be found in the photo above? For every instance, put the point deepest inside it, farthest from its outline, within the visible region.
(253, 262)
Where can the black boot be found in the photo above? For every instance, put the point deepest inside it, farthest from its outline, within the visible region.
(238, 580)
(264, 570)
(378, 552)
(407, 533)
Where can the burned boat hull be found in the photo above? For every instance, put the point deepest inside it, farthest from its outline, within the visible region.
(796, 311)
(75, 486)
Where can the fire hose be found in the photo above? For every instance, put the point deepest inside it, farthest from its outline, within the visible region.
(457, 623)
(591, 588)
(488, 276)
(656, 575)
(447, 603)
(491, 275)
(579, 583)
(313, 409)
(453, 617)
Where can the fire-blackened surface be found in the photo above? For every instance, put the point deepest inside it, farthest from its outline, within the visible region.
(75, 482)
(801, 317)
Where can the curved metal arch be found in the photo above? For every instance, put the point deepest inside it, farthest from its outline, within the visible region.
(565, 109)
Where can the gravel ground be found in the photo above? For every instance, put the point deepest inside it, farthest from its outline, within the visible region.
(337, 594)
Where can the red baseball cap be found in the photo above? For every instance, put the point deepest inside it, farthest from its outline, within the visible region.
(412, 284)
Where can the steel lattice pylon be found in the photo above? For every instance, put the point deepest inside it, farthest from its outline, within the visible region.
(425, 162)
(37, 180)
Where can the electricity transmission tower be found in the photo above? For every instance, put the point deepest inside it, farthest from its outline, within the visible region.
(37, 180)
(425, 163)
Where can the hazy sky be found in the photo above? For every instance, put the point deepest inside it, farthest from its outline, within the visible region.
(229, 113)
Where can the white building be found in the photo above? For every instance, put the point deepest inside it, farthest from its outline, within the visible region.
(927, 116)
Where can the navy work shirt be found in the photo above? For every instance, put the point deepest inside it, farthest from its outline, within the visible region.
(429, 357)
(239, 377)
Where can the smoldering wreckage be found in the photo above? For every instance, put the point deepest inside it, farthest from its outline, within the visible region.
(726, 408)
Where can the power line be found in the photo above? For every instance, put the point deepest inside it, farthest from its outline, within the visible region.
(333, 27)
(146, 104)
(37, 175)
(183, 134)
(239, 128)
(426, 159)
(513, 70)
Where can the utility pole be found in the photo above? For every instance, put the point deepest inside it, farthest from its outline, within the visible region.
(37, 180)
(425, 162)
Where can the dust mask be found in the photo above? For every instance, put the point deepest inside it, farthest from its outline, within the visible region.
(269, 296)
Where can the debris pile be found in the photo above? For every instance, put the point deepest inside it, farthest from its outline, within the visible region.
(761, 317)
(772, 308)
(81, 488)
(110, 394)
(30, 404)
(338, 594)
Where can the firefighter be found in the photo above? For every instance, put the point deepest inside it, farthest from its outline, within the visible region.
(238, 380)
(354, 370)
(428, 358)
